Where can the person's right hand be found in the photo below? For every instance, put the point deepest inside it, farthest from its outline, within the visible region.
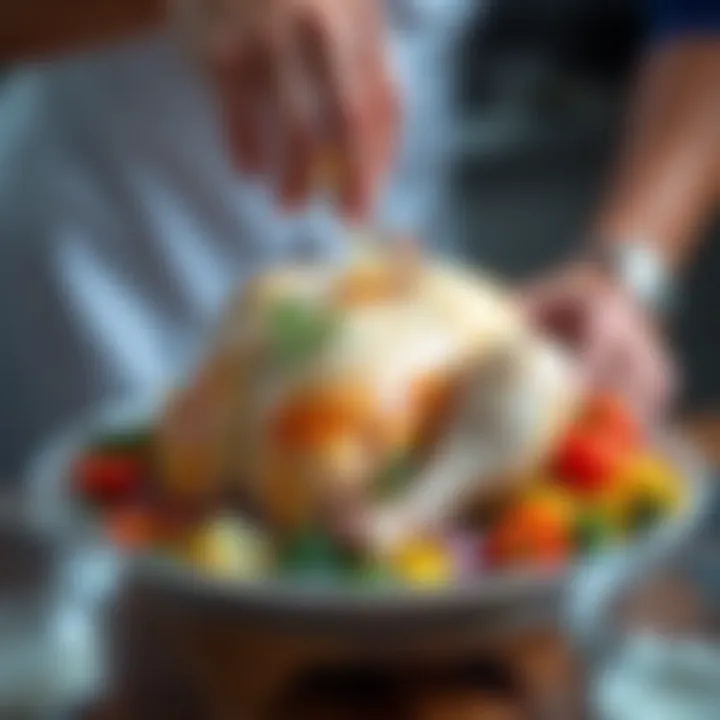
(305, 90)
(615, 340)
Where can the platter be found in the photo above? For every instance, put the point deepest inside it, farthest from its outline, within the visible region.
(495, 601)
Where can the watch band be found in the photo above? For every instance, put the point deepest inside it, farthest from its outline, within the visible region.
(642, 271)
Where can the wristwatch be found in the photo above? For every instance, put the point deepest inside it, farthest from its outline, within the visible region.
(642, 271)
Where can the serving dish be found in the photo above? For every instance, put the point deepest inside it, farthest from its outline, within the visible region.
(496, 601)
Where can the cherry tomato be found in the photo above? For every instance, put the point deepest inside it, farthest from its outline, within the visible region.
(537, 530)
(108, 478)
(608, 415)
(587, 462)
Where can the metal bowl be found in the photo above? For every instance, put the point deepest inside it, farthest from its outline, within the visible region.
(490, 604)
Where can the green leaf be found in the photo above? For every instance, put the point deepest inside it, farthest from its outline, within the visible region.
(591, 532)
(374, 576)
(313, 554)
(299, 330)
(126, 440)
(395, 476)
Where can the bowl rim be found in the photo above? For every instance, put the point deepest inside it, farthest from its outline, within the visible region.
(57, 515)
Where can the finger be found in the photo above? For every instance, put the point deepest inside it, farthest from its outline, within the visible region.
(656, 378)
(297, 147)
(380, 97)
(649, 367)
(386, 113)
(628, 379)
(331, 60)
(298, 138)
(369, 139)
(637, 372)
(599, 357)
(241, 74)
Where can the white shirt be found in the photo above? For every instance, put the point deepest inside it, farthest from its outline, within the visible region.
(123, 227)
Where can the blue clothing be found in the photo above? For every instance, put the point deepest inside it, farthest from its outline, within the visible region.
(675, 18)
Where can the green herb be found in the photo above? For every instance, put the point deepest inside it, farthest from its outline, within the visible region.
(299, 330)
(127, 440)
(591, 532)
(395, 476)
(374, 576)
(313, 554)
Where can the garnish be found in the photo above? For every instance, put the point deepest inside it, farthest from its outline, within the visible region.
(591, 532)
(395, 476)
(313, 554)
(299, 330)
(122, 441)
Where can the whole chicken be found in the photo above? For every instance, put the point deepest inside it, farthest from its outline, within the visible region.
(323, 380)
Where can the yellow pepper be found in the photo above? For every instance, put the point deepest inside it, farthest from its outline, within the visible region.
(424, 563)
(228, 548)
(646, 488)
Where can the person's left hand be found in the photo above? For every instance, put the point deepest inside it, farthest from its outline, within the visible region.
(617, 343)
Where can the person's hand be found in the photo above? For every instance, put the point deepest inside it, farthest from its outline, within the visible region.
(305, 91)
(617, 343)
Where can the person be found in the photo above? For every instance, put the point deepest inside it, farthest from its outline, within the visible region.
(125, 223)
(613, 298)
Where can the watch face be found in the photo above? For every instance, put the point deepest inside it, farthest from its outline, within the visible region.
(641, 271)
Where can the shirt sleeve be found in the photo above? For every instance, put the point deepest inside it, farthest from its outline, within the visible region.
(676, 18)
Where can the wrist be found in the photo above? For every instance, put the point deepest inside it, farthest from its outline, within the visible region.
(640, 269)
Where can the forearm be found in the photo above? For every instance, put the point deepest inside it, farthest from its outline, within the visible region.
(36, 29)
(667, 182)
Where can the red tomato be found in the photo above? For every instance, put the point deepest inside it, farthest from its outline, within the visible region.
(108, 478)
(132, 528)
(536, 531)
(607, 414)
(587, 462)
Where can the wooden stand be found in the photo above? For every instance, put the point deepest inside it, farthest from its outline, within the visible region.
(195, 665)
